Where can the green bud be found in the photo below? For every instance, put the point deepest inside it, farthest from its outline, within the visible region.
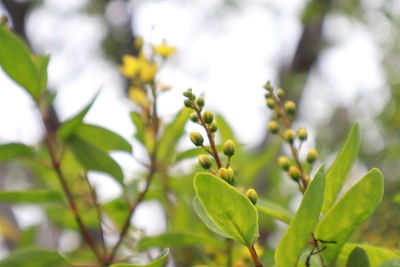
(227, 174)
(270, 103)
(280, 93)
(267, 95)
(273, 127)
(229, 148)
(214, 127)
(294, 173)
(290, 107)
(231, 179)
(208, 117)
(284, 163)
(188, 93)
(200, 102)
(187, 103)
(268, 86)
(252, 195)
(205, 161)
(194, 117)
(289, 136)
(196, 138)
(312, 156)
(302, 134)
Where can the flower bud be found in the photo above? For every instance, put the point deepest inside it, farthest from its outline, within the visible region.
(194, 117)
(280, 93)
(273, 127)
(290, 107)
(284, 163)
(205, 161)
(312, 156)
(270, 103)
(214, 127)
(289, 136)
(187, 103)
(208, 117)
(196, 139)
(229, 148)
(200, 102)
(302, 134)
(231, 177)
(226, 174)
(252, 195)
(187, 93)
(294, 173)
(268, 86)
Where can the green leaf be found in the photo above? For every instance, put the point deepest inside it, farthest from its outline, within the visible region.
(16, 61)
(193, 152)
(102, 138)
(15, 150)
(31, 197)
(172, 133)
(337, 173)
(159, 262)
(358, 258)
(140, 126)
(303, 224)
(68, 128)
(274, 210)
(176, 239)
(227, 208)
(200, 211)
(391, 263)
(41, 64)
(93, 158)
(376, 255)
(349, 212)
(34, 258)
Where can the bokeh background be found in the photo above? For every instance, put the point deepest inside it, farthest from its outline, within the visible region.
(339, 59)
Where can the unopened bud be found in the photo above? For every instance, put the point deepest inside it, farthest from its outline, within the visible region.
(214, 127)
(302, 134)
(226, 174)
(294, 173)
(196, 139)
(268, 86)
(229, 148)
(270, 103)
(200, 102)
(208, 117)
(280, 93)
(204, 161)
(187, 93)
(194, 117)
(187, 103)
(289, 136)
(273, 127)
(252, 195)
(284, 163)
(312, 156)
(290, 107)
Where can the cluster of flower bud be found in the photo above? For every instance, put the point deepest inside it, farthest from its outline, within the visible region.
(252, 195)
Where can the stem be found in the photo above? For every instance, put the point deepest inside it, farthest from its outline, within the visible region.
(319, 251)
(50, 142)
(254, 256)
(229, 252)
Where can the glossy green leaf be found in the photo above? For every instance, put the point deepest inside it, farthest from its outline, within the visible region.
(102, 138)
(349, 212)
(338, 171)
(171, 135)
(391, 263)
(31, 197)
(303, 224)
(175, 239)
(358, 258)
(376, 255)
(159, 262)
(274, 210)
(34, 258)
(227, 208)
(200, 211)
(68, 127)
(16, 61)
(41, 64)
(94, 159)
(15, 150)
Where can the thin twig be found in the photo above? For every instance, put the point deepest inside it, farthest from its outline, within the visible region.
(254, 256)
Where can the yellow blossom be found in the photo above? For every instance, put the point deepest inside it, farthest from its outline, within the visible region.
(148, 71)
(138, 67)
(164, 50)
(138, 96)
(130, 66)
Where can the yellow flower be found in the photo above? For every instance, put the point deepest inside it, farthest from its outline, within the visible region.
(138, 96)
(148, 70)
(134, 67)
(164, 50)
(130, 66)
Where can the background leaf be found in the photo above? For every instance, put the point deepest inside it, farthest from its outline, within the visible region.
(303, 224)
(34, 258)
(353, 209)
(337, 173)
(15, 150)
(31, 196)
(274, 210)
(159, 262)
(358, 258)
(229, 209)
(376, 255)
